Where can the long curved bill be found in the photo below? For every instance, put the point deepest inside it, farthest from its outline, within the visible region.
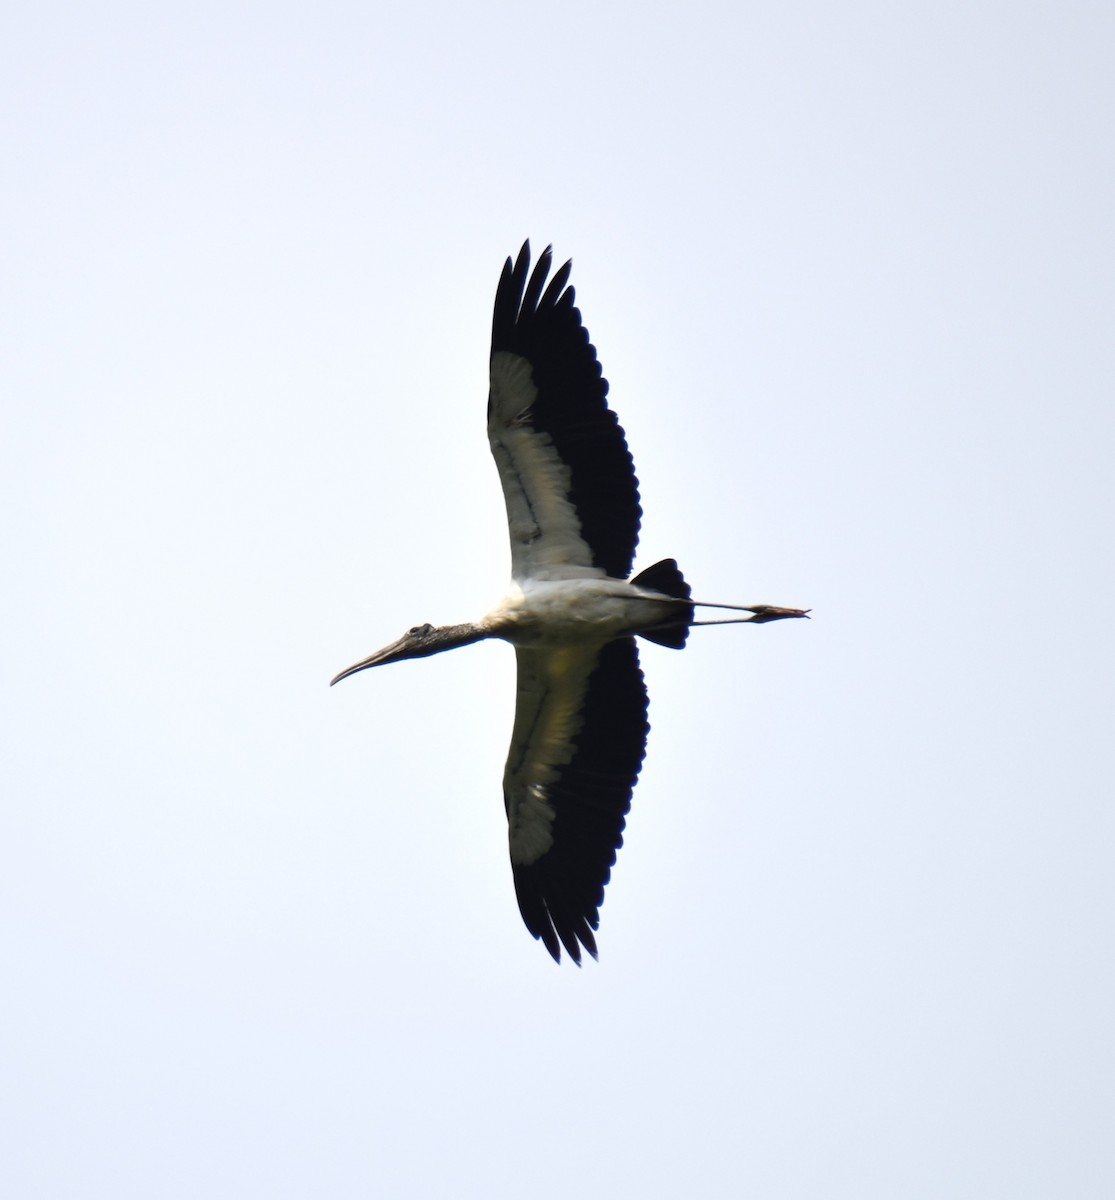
(387, 654)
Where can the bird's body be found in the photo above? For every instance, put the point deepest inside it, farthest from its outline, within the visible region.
(543, 613)
(570, 611)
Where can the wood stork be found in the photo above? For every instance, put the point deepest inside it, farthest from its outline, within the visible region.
(570, 611)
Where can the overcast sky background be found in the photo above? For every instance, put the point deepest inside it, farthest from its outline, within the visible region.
(850, 272)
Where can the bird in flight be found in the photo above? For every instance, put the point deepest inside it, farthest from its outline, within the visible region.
(570, 611)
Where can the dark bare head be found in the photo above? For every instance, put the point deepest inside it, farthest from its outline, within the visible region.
(420, 641)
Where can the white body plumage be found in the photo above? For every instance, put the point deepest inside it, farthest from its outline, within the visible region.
(560, 612)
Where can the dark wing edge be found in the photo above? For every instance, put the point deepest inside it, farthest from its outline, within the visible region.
(540, 323)
(561, 892)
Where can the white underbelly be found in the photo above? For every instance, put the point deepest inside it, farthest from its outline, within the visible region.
(560, 612)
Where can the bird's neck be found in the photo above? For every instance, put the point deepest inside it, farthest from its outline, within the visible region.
(449, 637)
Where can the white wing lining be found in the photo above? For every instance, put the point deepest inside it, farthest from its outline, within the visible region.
(546, 541)
(549, 713)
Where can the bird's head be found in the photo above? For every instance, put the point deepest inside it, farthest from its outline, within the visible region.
(417, 642)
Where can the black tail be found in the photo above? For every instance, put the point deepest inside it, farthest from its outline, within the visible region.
(665, 577)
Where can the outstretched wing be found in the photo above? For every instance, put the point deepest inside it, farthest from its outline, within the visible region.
(568, 479)
(576, 749)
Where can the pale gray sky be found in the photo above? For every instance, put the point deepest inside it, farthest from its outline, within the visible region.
(849, 269)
